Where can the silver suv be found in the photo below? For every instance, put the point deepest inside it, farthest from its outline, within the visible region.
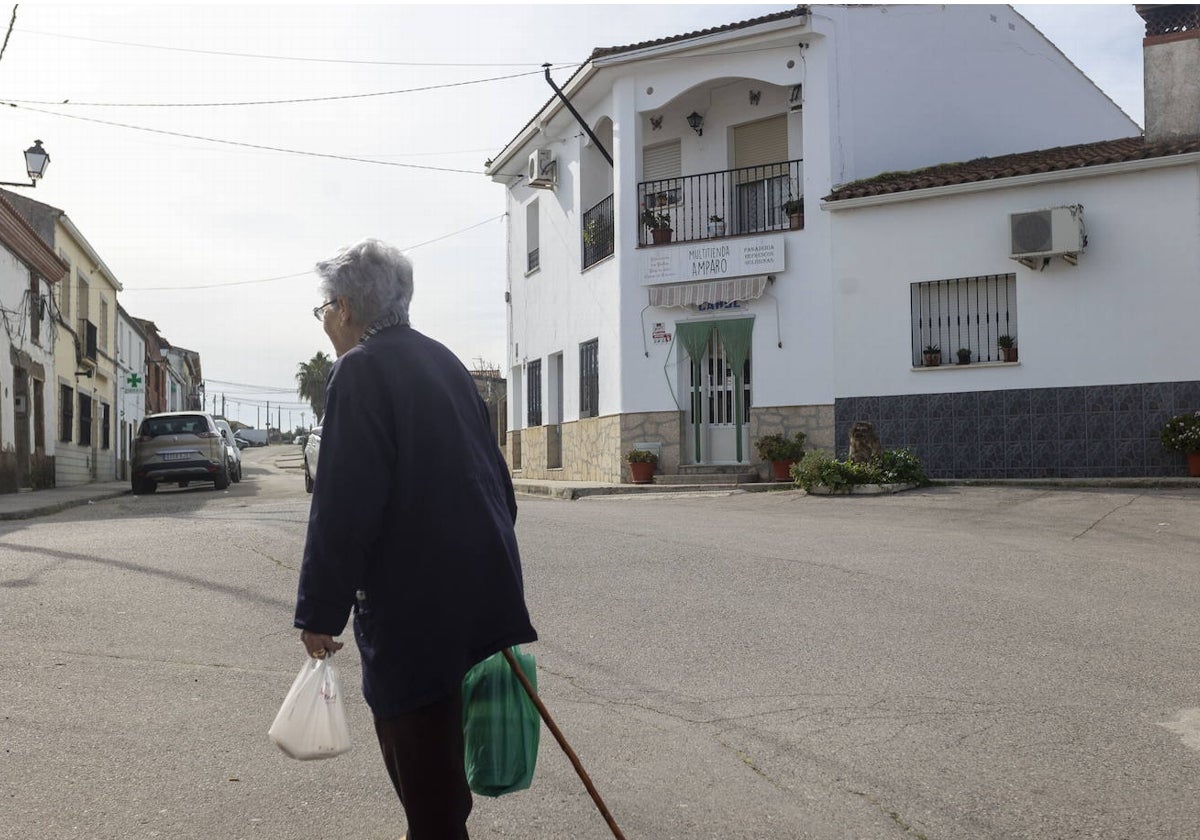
(179, 446)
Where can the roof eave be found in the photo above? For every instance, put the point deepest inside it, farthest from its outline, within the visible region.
(1012, 181)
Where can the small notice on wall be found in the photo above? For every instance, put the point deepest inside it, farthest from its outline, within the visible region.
(660, 334)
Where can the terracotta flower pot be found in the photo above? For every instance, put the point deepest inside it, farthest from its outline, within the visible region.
(660, 235)
(642, 472)
(796, 221)
(1008, 354)
(782, 470)
(1193, 459)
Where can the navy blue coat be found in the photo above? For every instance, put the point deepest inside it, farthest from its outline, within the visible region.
(411, 523)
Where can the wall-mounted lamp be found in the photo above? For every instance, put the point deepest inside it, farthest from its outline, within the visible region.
(36, 161)
(696, 122)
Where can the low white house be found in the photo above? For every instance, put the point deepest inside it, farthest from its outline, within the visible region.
(131, 386)
(1087, 257)
(729, 327)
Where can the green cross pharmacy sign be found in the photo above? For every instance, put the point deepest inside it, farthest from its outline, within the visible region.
(133, 382)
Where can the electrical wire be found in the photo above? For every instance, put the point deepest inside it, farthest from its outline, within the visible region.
(8, 34)
(304, 273)
(241, 144)
(298, 101)
(285, 57)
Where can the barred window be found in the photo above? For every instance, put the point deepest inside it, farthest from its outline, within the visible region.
(105, 426)
(533, 399)
(85, 420)
(967, 313)
(589, 378)
(532, 248)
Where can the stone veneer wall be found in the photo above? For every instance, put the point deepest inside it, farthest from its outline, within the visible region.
(816, 421)
(1083, 432)
(664, 427)
(591, 451)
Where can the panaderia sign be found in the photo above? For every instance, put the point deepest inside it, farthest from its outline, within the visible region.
(712, 259)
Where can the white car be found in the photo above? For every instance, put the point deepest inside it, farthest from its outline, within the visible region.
(312, 449)
(233, 452)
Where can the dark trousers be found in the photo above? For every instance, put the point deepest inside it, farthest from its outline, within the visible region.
(423, 751)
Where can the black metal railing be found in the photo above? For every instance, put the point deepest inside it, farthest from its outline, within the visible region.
(1169, 19)
(968, 313)
(753, 199)
(598, 232)
(534, 260)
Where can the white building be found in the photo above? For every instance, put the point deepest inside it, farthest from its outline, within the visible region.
(698, 346)
(131, 386)
(1107, 346)
(29, 268)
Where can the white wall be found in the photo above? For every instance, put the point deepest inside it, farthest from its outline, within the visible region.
(916, 86)
(1125, 314)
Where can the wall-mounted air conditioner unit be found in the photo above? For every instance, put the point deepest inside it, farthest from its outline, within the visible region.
(1039, 235)
(543, 169)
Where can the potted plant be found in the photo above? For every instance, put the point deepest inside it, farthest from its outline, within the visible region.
(782, 452)
(1182, 434)
(659, 225)
(1008, 348)
(932, 355)
(642, 463)
(964, 356)
(793, 208)
(716, 225)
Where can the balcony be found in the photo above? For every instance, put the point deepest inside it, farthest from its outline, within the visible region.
(747, 200)
(598, 232)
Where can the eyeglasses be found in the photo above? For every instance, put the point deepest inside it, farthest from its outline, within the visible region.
(319, 311)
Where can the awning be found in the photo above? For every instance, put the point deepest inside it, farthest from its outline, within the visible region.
(708, 291)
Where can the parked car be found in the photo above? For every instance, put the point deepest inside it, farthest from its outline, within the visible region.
(179, 446)
(240, 442)
(312, 449)
(232, 452)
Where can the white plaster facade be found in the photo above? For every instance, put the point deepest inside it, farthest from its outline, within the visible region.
(861, 90)
(131, 387)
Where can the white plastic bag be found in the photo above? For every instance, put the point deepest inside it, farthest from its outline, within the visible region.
(312, 720)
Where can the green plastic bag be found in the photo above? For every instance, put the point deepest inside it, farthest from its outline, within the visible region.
(500, 726)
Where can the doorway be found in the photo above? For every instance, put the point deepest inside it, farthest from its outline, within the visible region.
(717, 385)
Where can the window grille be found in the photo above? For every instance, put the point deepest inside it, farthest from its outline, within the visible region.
(85, 420)
(533, 399)
(105, 425)
(66, 413)
(589, 378)
(967, 312)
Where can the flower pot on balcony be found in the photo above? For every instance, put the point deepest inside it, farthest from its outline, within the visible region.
(796, 221)
(660, 235)
(716, 229)
(1008, 354)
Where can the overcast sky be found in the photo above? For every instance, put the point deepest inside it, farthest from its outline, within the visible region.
(167, 212)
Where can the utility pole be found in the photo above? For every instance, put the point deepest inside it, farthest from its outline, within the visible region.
(257, 416)
(222, 405)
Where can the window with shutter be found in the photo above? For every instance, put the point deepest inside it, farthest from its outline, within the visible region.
(663, 165)
(760, 153)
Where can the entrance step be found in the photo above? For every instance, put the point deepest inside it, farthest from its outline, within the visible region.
(739, 475)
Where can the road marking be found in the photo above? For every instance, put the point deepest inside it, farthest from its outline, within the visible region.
(1186, 725)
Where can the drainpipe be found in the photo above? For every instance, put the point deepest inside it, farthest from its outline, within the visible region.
(578, 118)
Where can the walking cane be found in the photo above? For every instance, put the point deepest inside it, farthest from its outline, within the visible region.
(562, 742)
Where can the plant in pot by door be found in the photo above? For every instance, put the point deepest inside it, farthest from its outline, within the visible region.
(964, 356)
(793, 208)
(932, 355)
(1008, 348)
(1182, 434)
(716, 225)
(642, 463)
(659, 225)
(782, 452)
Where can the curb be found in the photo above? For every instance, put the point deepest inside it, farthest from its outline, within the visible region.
(57, 507)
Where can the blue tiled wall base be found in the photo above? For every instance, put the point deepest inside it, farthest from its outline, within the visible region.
(1086, 432)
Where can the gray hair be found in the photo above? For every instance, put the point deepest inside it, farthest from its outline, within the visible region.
(374, 277)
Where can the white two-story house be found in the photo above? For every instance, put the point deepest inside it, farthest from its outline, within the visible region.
(696, 338)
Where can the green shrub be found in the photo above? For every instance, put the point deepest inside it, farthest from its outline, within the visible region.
(896, 466)
(779, 448)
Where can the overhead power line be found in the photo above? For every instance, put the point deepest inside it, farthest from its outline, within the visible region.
(287, 57)
(241, 144)
(303, 273)
(8, 34)
(298, 101)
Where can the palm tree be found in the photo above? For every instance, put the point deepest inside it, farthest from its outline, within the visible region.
(311, 377)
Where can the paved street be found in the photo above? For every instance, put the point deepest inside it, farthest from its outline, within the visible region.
(950, 664)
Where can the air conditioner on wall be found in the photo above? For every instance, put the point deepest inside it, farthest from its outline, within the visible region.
(1038, 235)
(543, 169)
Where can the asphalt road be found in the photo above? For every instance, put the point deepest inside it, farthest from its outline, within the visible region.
(948, 664)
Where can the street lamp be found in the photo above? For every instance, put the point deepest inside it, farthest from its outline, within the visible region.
(36, 161)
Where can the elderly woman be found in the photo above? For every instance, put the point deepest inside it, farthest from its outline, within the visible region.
(411, 526)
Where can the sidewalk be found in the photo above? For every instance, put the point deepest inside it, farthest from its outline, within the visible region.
(27, 505)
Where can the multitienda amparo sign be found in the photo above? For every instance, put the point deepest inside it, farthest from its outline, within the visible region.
(712, 259)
